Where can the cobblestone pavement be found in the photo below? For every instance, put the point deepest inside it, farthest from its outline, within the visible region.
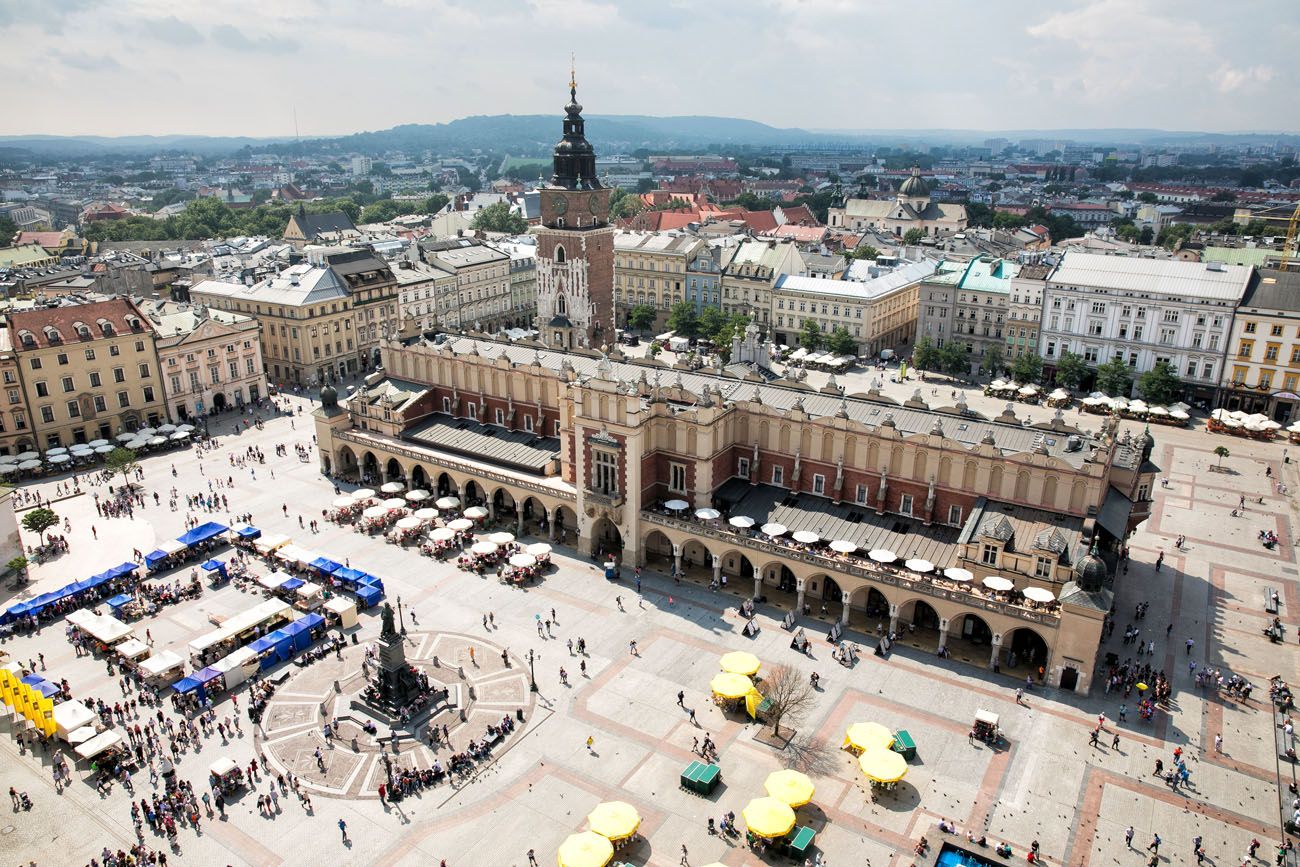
(1049, 785)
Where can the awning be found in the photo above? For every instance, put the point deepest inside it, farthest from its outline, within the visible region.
(124, 569)
(292, 584)
(99, 743)
(119, 600)
(202, 533)
(1114, 514)
(212, 565)
(244, 531)
(132, 648)
(325, 565)
(172, 546)
(160, 663)
(154, 557)
(42, 685)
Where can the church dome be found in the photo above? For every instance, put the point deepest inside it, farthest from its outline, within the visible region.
(1091, 572)
(915, 186)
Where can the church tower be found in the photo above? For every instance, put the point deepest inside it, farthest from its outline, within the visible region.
(575, 244)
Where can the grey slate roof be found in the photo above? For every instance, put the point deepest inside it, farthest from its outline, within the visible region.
(489, 443)
(1010, 438)
(313, 225)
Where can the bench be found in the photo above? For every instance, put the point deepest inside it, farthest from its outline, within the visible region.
(1270, 600)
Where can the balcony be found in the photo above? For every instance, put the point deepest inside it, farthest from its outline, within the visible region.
(600, 498)
(860, 567)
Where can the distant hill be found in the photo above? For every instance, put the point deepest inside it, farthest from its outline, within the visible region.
(535, 134)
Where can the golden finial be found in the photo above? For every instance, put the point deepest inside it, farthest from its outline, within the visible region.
(573, 75)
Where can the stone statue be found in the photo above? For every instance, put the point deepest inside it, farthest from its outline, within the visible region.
(388, 626)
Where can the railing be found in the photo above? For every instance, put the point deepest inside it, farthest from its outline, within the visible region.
(372, 440)
(599, 499)
(868, 573)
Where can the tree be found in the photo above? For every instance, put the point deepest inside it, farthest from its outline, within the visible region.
(434, 204)
(623, 204)
(992, 364)
(382, 211)
(641, 317)
(1147, 197)
(913, 236)
(789, 694)
(862, 251)
(1115, 378)
(683, 320)
(954, 360)
(8, 229)
(121, 460)
(1222, 452)
(499, 218)
(18, 564)
(40, 520)
(924, 355)
(841, 342)
(811, 336)
(1160, 385)
(735, 327)
(1070, 370)
(712, 321)
(1027, 368)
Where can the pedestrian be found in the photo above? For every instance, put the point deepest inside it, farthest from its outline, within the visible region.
(570, 647)
(681, 698)
(692, 713)
(590, 743)
(1190, 644)
(1092, 739)
(343, 828)
(1128, 837)
(1154, 845)
(532, 858)
(1114, 742)
(684, 860)
(1218, 743)
(631, 647)
(619, 600)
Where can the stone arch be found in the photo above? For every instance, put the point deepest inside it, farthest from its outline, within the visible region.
(828, 447)
(1077, 491)
(393, 471)
(783, 439)
(736, 565)
(605, 537)
(369, 466)
(446, 486)
(778, 573)
(872, 600)
(969, 626)
(695, 553)
(565, 522)
(471, 492)
(534, 513)
(995, 482)
(1022, 487)
(346, 462)
(895, 461)
(873, 454)
(920, 463)
(918, 613)
(503, 503)
(1024, 651)
(1049, 493)
(851, 451)
(969, 474)
(945, 471)
(658, 549)
(419, 478)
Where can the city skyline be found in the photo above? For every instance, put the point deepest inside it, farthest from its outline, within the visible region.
(236, 68)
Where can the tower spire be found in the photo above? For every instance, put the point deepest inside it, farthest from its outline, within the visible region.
(573, 77)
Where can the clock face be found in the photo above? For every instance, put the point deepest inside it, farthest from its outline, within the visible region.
(593, 203)
(559, 204)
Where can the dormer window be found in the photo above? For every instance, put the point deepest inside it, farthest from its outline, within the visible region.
(106, 327)
(27, 338)
(133, 323)
(53, 335)
(82, 331)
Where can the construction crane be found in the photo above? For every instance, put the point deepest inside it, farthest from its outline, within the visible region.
(1292, 221)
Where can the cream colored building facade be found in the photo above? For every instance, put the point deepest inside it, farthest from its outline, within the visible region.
(483, 291)
(1263, 366)
(748, 278)
(650, 268)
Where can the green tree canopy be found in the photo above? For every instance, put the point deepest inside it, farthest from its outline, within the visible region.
(435, 203)
(913, 236)
(1070, 370)
(712, 321)
(1160, 385)
(841, 342)
(734, 326)
(811, 336)
(924, 355)
(499, 218)
(954, 360)
(121, 460)
(641, 317)
(1115, 378)
(1027, 368)
(39, 520)
(623, 204)
(992, 363)
(683, 320)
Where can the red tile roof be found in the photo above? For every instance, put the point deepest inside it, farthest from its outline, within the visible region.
(45, 239)
(116, 311)
(800, 214)
(759, 221)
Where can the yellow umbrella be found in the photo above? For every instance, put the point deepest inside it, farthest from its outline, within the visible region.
(615, 820)
(730, 685)
(740, 662)
(790, 787)
(864, 736)
(587, 849)
(768, 817)
(883, 765)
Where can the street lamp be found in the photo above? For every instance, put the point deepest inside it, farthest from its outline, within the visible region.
(532, 675)
(400, 618)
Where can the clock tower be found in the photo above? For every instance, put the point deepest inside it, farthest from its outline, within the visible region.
(575, 244)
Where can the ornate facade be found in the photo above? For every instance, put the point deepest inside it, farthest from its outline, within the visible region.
(591, 447)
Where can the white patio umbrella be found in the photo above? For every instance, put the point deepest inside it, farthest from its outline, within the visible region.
(501, 537)
(343, 502)
(30, 465)
(708, 514)
(8, 459)
(460, 524)
(425, 514)
(1179, 414)
(744, 522)
(919, 565)
(103, 450)
(157, 441)
(60, 459)
(538, 549)
(442, 534)
(126, 436)
(394, 503)
(417, 496)
(166, 428)
(806, 537)
(374, 512)
(363, 493)
(185, 427)
(180, 435)
(136, 445)
(391, 487)
(843, 546)
(773, 529)
(995, 582)
(447, 502)
(410, 522)
(57, 450)
(523, 561)
(1038, 594)
(676, 505)
(6, 469)
(475, 512)
(483, 548)
(880, 555)
(955, 573)
(1158, 410)
(147, 431)
(28, 456)
(94, 444)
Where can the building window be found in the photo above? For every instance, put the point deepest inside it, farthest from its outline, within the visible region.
(90, 355)
(989, 556)
(473, 411)
(500, 416)
(36, 364)
(1042, 568)
(148, 394)
(446, 405)
(905, 504)
(42, 389)
(954, 515)
(74, 409)
(742, 468)
(604, 471)
(63, 358)
(101, 405)
(68, 384)
(119, 374)
(677, 478)
(778, 476)
(95, 380)
(123, 399)
(528, 423)
(819, 484)
(860, 495)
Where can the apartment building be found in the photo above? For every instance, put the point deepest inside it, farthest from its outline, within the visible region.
(1263, 362)
(482, 300)
(650, 268)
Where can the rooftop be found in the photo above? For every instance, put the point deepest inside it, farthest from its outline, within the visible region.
(298, 285)
(859, 290)
(1208, 281)
(517, 450)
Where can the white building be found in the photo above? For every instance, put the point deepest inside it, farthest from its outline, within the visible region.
(361, 166)
(1143, 311)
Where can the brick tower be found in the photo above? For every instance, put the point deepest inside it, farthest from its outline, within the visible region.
(575, 244)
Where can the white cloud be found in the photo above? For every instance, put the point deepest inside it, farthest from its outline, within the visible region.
(1228, 78)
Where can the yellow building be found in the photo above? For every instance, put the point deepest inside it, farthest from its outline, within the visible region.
(650, 269)
(307, 321)
(87, 371)
(1263, 369)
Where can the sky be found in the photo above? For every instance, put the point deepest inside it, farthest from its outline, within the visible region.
(243, 67)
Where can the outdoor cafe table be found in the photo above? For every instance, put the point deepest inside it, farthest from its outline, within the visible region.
(797, 843)
(904, 744)
(701, 778)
